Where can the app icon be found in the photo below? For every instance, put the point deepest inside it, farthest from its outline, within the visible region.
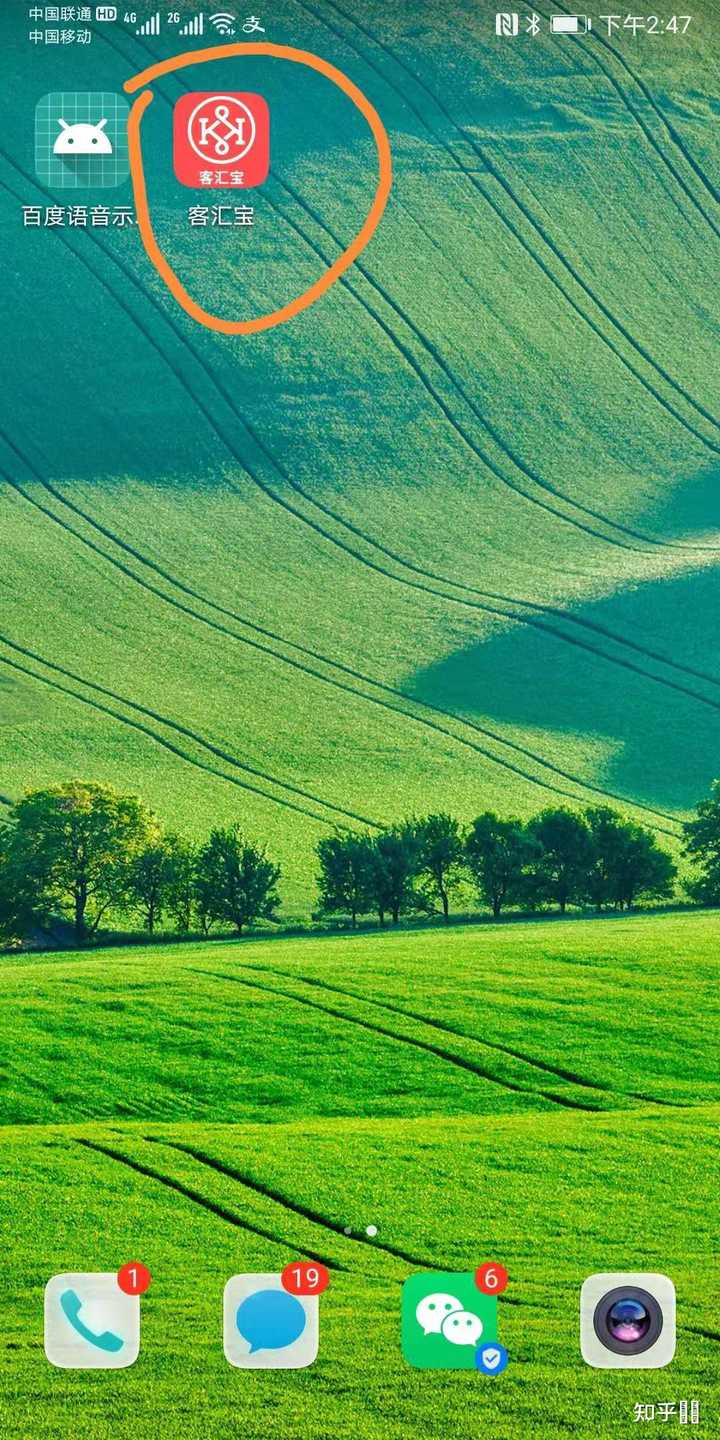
(90, 1323)
(446, 1319)
(627, 1322)
(81, 140)
(221, 141)
(265, 1327)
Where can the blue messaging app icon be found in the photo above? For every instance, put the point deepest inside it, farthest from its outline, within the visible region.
(270, 1320)
(266, 1327)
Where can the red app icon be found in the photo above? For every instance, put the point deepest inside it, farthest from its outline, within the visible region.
(221, 142)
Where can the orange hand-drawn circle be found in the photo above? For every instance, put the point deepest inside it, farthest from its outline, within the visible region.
(147, 234)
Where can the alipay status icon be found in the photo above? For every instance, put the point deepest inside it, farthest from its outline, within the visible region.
(91, 1323)
(265, 1327)
(449, 1324)
(81, 140)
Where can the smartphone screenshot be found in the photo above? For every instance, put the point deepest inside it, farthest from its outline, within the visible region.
(359, 721)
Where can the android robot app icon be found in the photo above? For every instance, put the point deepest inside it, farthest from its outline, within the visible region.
(221, 141)
(81, 140)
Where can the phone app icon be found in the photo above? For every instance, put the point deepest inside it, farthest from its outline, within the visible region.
(265, 1327)
(447, 1322)
(627, 1321)
(91, 1323)
(81, 140)
(221, 142)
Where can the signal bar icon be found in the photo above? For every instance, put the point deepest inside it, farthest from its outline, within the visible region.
(196, 26)
(151, 26)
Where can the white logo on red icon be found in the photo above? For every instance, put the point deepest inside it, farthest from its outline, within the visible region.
(221, 130)
(214, 135)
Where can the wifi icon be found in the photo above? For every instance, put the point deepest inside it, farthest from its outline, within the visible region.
(223, 22)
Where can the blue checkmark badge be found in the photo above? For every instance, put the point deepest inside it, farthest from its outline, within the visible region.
(491, 1359)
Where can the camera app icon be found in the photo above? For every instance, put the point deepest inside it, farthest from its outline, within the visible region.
(627, 1322)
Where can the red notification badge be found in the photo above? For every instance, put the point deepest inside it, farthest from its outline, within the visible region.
(492, 1278)
(221, 141)
(134, 1278)
(302, 1278)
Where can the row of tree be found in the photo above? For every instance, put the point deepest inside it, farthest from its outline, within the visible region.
(85, 854)
(559, 857)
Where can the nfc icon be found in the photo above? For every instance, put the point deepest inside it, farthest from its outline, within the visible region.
(507, 23)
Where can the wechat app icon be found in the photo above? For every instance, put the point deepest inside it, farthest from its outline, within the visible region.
(446, 1320)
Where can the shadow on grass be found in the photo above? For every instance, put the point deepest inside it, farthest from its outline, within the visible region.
(119, 940)
(663, 745)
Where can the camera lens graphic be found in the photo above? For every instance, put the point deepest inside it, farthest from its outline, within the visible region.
(628, 1321)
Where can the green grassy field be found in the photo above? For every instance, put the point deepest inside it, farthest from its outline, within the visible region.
(447, 541)
(479, 477)
(475, 1094)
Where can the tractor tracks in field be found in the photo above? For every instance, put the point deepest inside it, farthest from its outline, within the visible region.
(287, 1206)
(495, 609)
(423, 720)
(534, 225)
(221, 1212)
(491, 609)
(143, 728)
(600, 43)
(555, 1071)
(304, 1212)
(531, 620)
(230, 1216)
(427, 1046)
(492, 603)
(267, 1192)
(458, 426)
(534, 619)
(276, 1197)
(433, 353)
(700, 1330)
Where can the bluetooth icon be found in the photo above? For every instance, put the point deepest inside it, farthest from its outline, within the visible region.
(533, 24)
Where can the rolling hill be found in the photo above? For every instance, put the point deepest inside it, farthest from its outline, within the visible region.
(473, 1094)
(450, 539)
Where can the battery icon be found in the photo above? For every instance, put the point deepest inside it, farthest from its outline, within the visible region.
(570, 24)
